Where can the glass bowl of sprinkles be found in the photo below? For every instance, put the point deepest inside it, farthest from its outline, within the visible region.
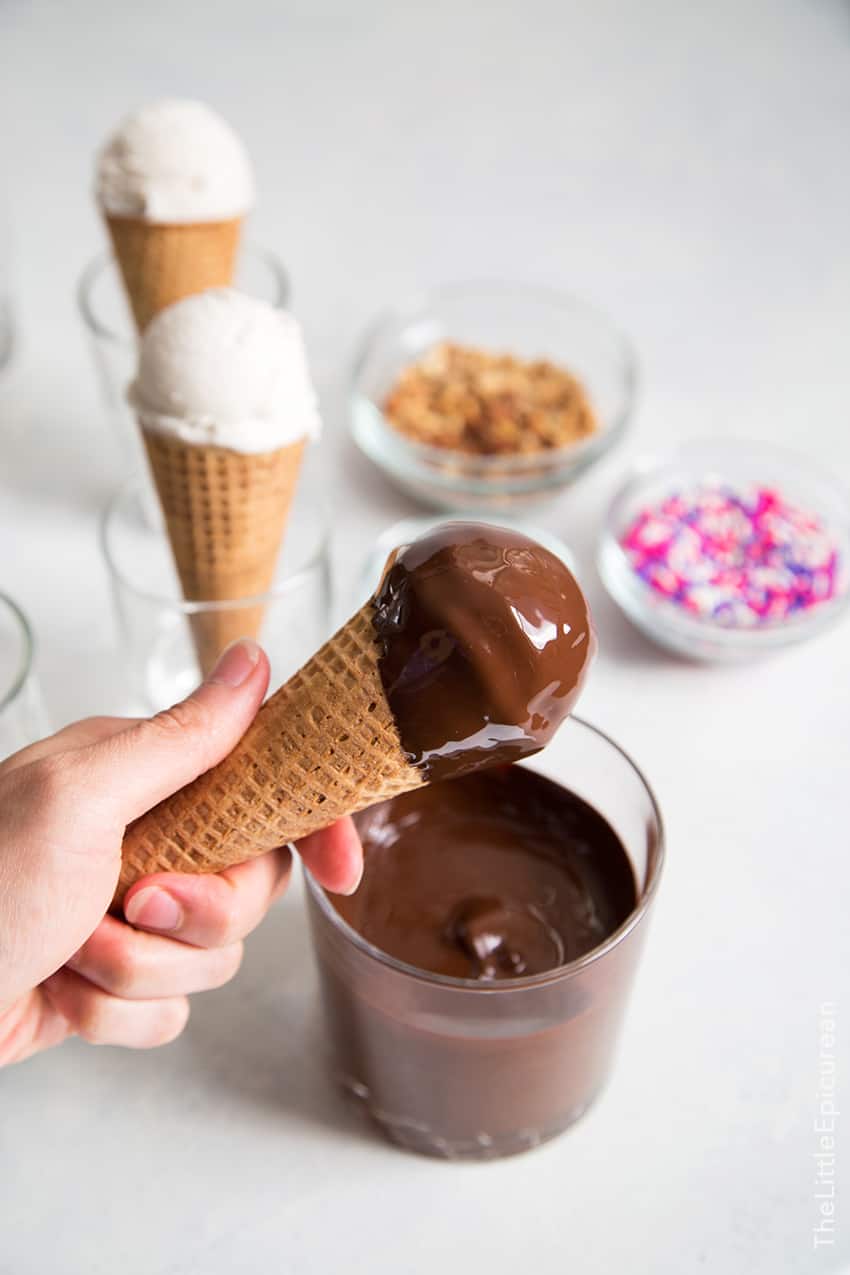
(490, 396)
(727, 551)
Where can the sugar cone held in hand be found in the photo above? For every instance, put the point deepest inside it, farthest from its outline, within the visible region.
(323, 746)
(225, 406)
(174, 185)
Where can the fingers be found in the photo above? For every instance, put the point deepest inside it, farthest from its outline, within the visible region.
(138, 966)
(103, 1019)
(334, 857)
(209, 911)
(128, 987)
(137, 767)
(217, 910)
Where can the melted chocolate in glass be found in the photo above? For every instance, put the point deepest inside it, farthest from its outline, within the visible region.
(492, 876)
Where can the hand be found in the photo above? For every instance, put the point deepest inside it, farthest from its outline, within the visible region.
(65, 966)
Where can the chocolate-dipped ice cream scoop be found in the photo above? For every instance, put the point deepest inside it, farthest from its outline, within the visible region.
(472, 652)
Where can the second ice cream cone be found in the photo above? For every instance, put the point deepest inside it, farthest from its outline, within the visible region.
(225, 406)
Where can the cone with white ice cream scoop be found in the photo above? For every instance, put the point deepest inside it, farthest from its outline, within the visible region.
(174, 185)
(225, 406)
(471, 653)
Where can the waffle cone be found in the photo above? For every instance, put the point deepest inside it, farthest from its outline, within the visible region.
(161, 263)
(324, 745)
(225, 512)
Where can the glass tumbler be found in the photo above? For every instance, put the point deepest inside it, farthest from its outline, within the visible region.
(154, 619)
(107, 318)
(22, 716)
(467, 1070)
(6, 324)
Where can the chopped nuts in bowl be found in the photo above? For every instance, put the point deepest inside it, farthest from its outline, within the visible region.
(490, 395)
(470, 400)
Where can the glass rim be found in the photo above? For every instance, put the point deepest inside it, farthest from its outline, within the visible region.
(652, 464)
(8, 335)
(289, 583)
(560, 972)
(25, 629)
(101, 261)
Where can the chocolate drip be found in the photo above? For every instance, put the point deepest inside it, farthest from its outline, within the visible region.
(486, 639)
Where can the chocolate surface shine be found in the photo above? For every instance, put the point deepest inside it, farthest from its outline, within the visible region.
(492, 876)
(485, 641)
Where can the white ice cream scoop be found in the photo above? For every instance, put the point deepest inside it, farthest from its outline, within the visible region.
(174, 161)
(224, 369)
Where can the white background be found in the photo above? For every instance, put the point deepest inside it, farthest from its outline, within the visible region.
(687, 167)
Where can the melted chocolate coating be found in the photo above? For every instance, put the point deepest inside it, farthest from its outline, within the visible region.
(485, 641)
(491, 876)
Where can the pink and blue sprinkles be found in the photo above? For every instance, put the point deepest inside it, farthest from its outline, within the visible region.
(741, 558)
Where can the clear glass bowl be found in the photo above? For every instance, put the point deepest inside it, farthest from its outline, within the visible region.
(738, 463)
(502, 317)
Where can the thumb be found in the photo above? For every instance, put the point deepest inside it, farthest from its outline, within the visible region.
(153, 758)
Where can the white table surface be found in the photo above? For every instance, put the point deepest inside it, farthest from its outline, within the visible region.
(688, 168)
